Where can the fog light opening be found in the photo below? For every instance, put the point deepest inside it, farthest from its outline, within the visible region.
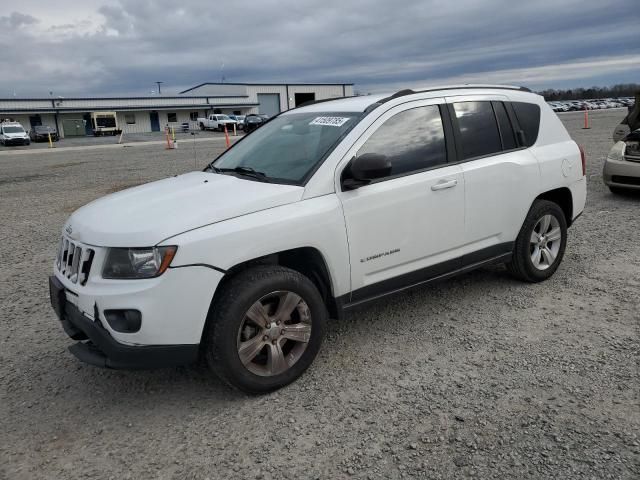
(124, 321)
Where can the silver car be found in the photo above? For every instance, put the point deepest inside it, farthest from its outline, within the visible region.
(622, 166)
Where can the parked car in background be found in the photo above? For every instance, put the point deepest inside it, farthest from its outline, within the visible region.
(622, 166)
(216, 121)
(560, 107)
(253, 121)
(12, 133)
(41, 133)
(239, 119)
(328, 207)
(630, 122)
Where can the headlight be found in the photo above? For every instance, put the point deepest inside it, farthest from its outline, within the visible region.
(134, 263)
(617, 151)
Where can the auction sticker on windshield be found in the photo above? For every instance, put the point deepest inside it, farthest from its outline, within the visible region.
(330, 121)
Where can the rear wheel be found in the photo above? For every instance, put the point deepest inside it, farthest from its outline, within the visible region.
(541, 243)
(264, 329)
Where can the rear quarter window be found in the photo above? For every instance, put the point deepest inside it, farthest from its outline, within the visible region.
(528, 115)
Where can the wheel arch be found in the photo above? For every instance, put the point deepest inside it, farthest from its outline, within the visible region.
(308, 261)
(563, 198)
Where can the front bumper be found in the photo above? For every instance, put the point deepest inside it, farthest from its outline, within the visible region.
(16, 141)
(624, 174)
(45, 138)
(97, 347)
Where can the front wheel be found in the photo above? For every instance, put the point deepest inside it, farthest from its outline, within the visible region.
(541, 243)
(264, 328)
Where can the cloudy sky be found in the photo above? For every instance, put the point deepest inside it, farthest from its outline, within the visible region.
(95, 47)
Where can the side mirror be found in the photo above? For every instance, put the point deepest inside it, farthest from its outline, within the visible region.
(365, 168)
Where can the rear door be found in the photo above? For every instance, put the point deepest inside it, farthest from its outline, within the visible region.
(409, 226)
(501, 176)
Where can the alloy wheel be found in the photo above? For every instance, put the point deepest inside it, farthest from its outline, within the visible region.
(546, 238)
(274, 333)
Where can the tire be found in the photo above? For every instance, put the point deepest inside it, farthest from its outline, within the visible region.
(548, 249)
(201, 126)
(229, 327)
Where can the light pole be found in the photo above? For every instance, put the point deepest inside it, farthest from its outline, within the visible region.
(159, 90)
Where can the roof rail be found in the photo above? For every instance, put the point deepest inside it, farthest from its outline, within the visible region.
(408, 91)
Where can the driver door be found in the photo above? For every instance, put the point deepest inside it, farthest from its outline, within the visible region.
(409, 226)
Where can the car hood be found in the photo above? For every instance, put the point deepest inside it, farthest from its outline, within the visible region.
(147, 214)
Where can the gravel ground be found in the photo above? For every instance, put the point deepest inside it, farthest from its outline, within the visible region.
(109, 140)
(479, 376)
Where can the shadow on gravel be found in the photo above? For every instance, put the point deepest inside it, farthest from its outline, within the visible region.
(144, 390)
(156, 390)
(487, 278)
(627, 195)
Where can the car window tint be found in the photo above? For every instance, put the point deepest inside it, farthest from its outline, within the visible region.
(412, 140)
(506, 130)
(528, 115)
(478, 129)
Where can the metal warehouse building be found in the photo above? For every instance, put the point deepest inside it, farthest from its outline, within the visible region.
(72, 116)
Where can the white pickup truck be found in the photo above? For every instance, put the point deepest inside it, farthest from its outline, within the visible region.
(216, 122)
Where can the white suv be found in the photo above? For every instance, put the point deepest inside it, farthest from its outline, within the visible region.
(324, 208)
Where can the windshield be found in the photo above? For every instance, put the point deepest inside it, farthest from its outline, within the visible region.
(13, 129)
(287, 148)
(223, 117)
(43, 129)
(106, 122)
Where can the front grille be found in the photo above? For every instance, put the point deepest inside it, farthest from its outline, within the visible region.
(74, 260)
(625, 180)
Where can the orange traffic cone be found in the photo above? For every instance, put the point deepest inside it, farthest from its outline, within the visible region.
(226, 136)
(586, 119)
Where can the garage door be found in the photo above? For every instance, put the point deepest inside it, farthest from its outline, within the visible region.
(73, 127)
(269, 103)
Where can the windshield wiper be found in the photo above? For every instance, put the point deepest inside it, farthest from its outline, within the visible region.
(245, 171)
(250, 172)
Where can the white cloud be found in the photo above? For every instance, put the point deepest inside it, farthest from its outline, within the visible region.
(123, 46)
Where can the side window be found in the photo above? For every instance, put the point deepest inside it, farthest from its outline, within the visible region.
(528, 115)
(412, 140)
(506, 130)
(479, 133)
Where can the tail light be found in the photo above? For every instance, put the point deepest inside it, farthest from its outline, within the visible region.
(584, 161)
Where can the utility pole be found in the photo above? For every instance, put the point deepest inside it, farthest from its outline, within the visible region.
(159, 90)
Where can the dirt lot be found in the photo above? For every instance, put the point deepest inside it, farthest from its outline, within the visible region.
(477, 376)
(181, 137)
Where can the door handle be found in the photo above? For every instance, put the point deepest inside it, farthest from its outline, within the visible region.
(442, 184)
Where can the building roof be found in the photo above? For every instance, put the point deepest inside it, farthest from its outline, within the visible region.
(267, 84)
